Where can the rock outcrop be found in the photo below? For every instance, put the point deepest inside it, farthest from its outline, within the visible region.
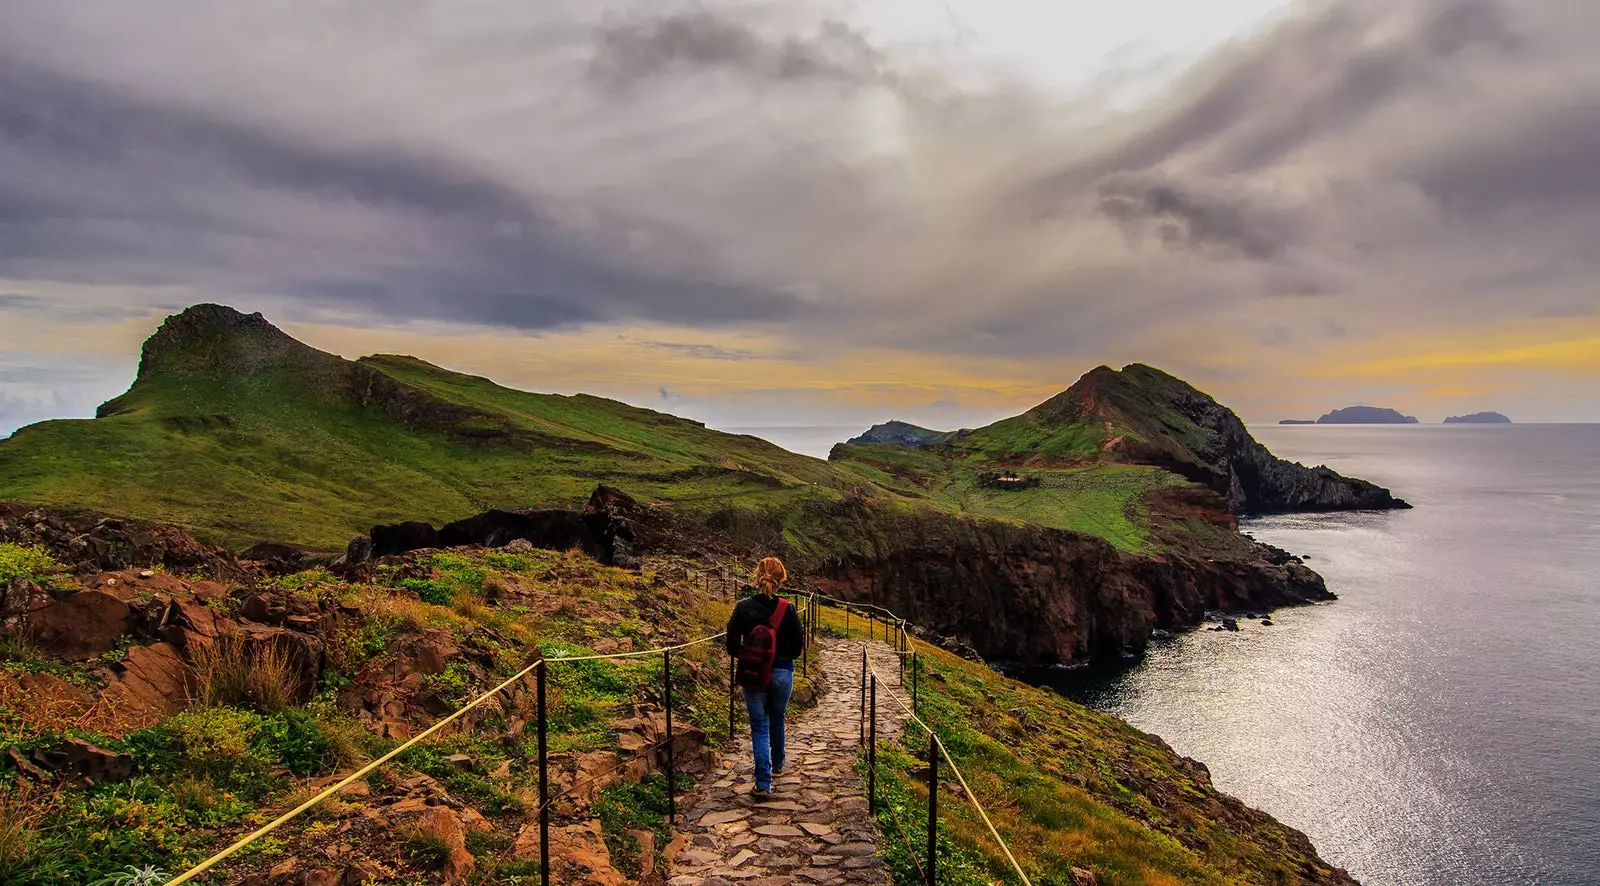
(1043, 596)
(609, 529)
(1187, 432)
(91, 543)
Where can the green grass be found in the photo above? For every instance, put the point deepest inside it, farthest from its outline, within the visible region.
(300, 446)
(1066, 787)
(1106, 500)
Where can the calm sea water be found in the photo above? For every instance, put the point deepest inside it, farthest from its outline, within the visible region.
(1438, 725)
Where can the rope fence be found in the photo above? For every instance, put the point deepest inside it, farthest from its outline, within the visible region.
(936, 750)
(538, 669)
(894, 630)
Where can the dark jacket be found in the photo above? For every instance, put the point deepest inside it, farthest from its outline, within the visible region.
(752, 611)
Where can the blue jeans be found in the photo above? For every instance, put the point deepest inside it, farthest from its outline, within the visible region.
(766, 708)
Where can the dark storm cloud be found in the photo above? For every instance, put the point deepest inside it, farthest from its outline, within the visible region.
(568, 162)
(1184, 216)
(107, 187)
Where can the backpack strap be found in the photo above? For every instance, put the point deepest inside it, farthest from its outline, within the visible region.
(777, 614)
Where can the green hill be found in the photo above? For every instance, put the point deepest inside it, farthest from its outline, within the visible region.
(1105, 450)
(1124, 483)
(240, 432)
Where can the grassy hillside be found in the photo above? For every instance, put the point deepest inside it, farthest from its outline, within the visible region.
(1107, 500)
(1068, 787)
(241, 433)
(305, 447)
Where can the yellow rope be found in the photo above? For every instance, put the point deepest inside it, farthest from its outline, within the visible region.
(283, 819)
(638, 653)
(971, 797)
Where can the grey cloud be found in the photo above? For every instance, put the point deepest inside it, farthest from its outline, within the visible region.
(565, 162)
(108, 187)
(628, 51)
(1219, 218)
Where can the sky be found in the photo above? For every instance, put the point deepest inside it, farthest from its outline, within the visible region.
(820, 212)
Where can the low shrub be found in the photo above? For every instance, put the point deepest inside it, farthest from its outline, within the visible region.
(32, 563)
(231, 671)
(429, 591)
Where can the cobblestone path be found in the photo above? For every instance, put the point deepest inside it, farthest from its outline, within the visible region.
(817, 829)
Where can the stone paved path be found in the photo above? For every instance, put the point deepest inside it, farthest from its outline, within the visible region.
(817, 830)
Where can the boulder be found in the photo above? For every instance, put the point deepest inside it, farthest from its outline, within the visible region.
(578, 854)
(426, 654)
(402, 537)
(1081, 877)
(520, 546)
(442, 824)
(89, 761)
(154, 683)
(304, 652)
(84, 625)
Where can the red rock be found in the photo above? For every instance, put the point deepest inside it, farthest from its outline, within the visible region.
(154, 682)
(443, 824)
(87, 624)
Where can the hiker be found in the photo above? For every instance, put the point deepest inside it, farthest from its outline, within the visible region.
(764, 637)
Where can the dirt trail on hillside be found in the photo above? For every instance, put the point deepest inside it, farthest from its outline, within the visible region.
(817, 830)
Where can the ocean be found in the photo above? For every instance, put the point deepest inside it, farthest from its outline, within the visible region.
(1439, 724)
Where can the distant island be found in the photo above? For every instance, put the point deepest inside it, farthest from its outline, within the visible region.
(1298, 421)
(1366, 415)
(1478, 418)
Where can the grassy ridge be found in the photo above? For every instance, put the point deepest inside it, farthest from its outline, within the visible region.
(240, 433)
(1066, 787)
(276, 456)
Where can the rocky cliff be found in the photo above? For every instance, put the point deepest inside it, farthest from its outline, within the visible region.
(1045, 596)
(1166, 422)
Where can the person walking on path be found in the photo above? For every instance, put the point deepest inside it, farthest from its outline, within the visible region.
(765, 637)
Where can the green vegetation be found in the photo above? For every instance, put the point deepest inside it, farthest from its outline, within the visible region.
(1066, 787)
(635, 806)
(235, 758)
(34, 564)
(1107, 500)
(226, 412)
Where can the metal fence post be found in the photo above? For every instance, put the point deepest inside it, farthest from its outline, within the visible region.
(672, 786)
(805, 647)
(915, 667)
(872, 750)
(933, 806)
(863, 694)
(847, 621)
(544, 779)
(733, 689)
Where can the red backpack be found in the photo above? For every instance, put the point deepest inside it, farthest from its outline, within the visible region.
(760, 650)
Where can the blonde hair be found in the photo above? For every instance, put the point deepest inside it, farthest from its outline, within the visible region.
(770, 575)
